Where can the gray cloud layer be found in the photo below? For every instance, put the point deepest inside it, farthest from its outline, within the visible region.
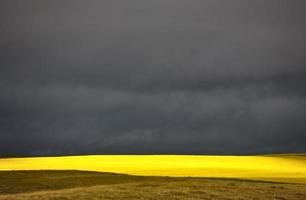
(164, 76)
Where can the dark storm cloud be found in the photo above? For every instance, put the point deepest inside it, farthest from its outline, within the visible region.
(174, 76)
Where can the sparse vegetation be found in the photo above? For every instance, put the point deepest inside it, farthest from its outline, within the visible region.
(28, 185)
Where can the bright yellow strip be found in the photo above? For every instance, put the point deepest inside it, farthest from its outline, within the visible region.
(274, 167)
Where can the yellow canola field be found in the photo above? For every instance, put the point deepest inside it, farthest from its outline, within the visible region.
(289, 168)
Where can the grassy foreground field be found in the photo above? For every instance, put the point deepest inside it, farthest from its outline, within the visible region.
(155, 177)
(47, 185)
(284, 168)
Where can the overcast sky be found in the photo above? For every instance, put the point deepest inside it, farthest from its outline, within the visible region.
(152, 77)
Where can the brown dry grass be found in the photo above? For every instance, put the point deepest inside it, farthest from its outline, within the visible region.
(45, 185)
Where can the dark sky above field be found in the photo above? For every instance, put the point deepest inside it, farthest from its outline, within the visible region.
(152, 77)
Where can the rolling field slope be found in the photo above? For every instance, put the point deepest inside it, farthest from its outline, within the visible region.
(283, 168)
(71, 185)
